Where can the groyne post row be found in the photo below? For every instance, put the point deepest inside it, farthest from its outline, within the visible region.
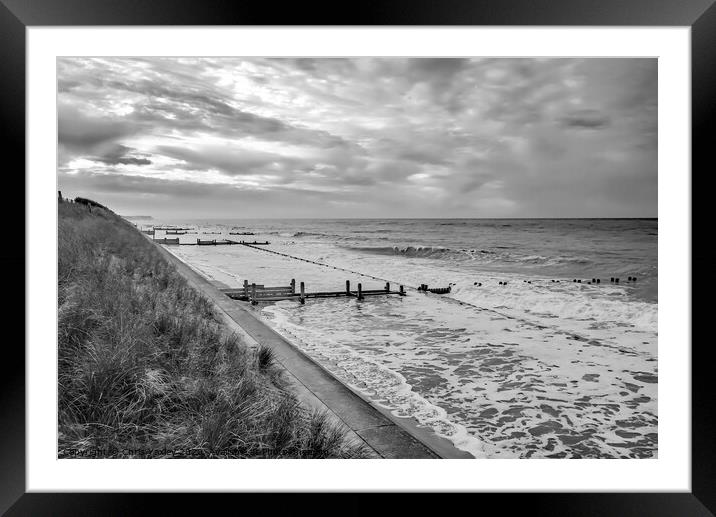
(255, 293)
(203, 242)
(613, 280)
(437, 290)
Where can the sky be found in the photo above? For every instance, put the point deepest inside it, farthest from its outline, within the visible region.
(360, 137)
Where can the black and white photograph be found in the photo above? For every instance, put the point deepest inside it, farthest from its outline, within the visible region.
(357, 257)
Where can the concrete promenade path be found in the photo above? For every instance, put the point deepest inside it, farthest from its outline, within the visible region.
(316, 387)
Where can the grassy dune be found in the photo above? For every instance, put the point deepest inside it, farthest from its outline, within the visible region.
(146, 369)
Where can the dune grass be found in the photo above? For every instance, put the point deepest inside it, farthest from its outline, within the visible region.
(146, 370)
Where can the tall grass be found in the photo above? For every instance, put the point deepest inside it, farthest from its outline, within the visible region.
(145, 368)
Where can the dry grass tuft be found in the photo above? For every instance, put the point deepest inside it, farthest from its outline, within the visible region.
(146, 370)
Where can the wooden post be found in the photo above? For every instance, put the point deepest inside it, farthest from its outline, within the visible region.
(303, 293)
(402, 290)
(246, 288)
(387, 287)
(293, 286)
(253, 292)
(360, 291)
(348, 287)
(59, 196)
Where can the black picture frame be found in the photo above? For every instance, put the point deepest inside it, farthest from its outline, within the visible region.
(17, 15)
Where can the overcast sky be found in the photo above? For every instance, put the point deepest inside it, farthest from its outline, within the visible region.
(384, 137)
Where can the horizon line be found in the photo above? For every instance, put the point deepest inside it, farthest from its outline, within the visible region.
(400, 218)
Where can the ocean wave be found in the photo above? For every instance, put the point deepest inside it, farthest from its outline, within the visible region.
(299, 234)
(540, 259)
(386, 387)
(316, 234)
(471, 254)
(579, 304)
(407, 251)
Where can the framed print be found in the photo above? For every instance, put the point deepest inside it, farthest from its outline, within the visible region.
(405, 250)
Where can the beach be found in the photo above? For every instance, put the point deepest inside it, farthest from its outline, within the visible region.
(527, 364)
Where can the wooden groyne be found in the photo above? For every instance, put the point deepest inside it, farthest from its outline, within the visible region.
(208, 242)
(435, 290)
(256, 293)
(419, 289)
(253, 243)
(281, 292)
(224, 242)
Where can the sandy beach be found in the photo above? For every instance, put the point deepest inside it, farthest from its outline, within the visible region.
(401, 438)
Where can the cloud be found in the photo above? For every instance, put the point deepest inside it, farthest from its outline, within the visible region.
(81, 131)
(121, 155)
(229, 160)
(444, 137)
(585, 118)
(127, 194)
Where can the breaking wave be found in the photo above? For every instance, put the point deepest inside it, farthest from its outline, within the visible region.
(470, 254)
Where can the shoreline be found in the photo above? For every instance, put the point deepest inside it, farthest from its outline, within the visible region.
(387, 435)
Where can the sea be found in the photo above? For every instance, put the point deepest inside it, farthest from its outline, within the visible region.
(543, 348)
